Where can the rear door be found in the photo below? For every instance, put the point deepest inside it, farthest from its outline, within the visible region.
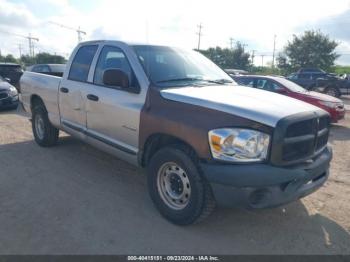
(71, 97)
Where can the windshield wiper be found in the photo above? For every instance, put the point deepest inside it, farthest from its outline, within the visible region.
(217, 81)
(180, 79)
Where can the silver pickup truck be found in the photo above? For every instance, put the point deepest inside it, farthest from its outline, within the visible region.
(202, 139)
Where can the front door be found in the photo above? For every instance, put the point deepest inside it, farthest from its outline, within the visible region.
(113, 113)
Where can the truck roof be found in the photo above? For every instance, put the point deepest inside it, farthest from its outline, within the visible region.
(119, 41)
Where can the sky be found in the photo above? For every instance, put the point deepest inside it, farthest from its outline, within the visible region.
(172, 22)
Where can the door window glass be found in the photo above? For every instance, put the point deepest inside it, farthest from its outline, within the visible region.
(111, 58)
(80, 67)
(260, 83)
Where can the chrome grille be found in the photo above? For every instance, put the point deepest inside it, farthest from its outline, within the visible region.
(298, 139)
(3, 95)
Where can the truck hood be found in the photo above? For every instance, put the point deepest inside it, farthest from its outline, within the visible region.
(254, 104)
(322, 97)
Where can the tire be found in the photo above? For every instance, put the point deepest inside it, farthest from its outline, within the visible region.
(332, 91)
(45, 134)
(198, 203)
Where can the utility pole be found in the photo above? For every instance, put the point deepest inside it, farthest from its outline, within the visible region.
(78, 30)
(274, 50)
(199, 35)
(20, 50)
(262, 60)
(243, 46)
(33, 49)
(31, 44)
(231, 42)
(253, 56)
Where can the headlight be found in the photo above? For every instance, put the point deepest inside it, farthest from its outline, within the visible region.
(332, 104)
(239, 145)
(13, 91)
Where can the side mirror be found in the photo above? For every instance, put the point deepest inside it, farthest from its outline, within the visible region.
(116, 77)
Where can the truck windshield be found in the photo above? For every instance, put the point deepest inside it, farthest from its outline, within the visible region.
(168, 67)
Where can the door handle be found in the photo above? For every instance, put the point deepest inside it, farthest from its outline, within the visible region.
(92, 97)
(64, 90)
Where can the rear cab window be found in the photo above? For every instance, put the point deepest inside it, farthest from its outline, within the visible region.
(81, 63)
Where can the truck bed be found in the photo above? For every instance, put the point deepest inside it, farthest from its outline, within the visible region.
(46, 85)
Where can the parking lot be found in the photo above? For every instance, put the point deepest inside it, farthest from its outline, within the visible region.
(74, 199)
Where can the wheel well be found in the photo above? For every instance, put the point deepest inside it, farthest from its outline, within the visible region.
(158, 141)
(335, 87)
(35, 100)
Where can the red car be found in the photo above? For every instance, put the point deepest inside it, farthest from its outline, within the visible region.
(334, 106)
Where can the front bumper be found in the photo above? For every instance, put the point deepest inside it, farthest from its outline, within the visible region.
(9, 102)
(336, 113)
(263, 185)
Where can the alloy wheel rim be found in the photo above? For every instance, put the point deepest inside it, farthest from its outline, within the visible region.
(331, 92)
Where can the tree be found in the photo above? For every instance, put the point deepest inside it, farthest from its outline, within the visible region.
(235, 58)
(27, 60)
(42, 58)
(46, 58)
(312, 49)
(283, 65)
(8, 59)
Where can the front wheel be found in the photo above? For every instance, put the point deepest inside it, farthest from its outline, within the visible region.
(332, 91)
(176, 187)
(45, 134)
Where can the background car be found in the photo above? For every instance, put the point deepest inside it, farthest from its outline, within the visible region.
(234, 72)
(11, 71)
(321, 81)
(335, 107)
(8, 95)
(310, 70)
(48, 69)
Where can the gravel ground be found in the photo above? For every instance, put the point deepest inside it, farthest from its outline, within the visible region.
(74, 199)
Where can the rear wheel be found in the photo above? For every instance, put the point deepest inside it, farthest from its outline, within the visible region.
(176, 187)
(45, 134)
